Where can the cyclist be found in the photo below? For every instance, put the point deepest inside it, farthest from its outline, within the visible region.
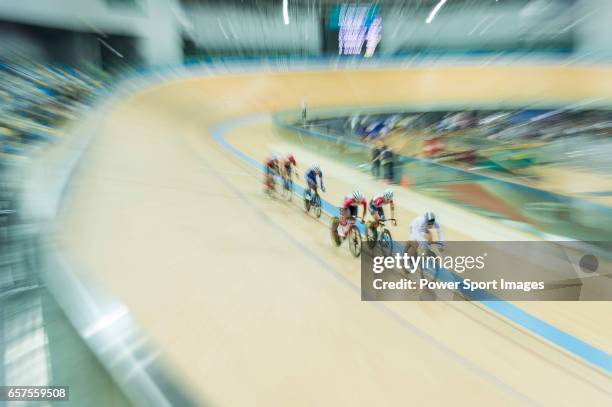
(377, 210)
(311, 179)
(420, 232)
(288, 165)
(350, 208)
(271, 166)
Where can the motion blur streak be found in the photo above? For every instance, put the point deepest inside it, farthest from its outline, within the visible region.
(435, 10)
(538, 327)
(143, 263)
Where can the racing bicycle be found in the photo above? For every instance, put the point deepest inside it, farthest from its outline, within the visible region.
(380, 235)
(312, 201)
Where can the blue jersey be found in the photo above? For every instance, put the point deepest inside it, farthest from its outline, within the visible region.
(311, 175)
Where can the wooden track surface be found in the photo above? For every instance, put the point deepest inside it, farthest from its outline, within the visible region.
(246, 297)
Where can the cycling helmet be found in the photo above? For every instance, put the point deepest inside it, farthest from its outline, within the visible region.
(430, 218)
(316, 168)
(388, 194)
(357, 195)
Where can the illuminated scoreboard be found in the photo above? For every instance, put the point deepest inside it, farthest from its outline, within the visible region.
(358, 28)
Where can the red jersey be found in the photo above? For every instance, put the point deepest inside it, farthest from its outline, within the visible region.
(379, 201)
(433, 147)
(287, 163)
(349, 201)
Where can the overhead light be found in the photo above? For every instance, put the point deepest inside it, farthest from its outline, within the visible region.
(433, 13)
(286, 11)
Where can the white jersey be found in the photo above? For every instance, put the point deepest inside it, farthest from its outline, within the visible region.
(418, 229)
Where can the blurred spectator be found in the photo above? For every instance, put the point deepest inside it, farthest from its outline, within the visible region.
(488, 139)
(387, 162)
(36, 102)
(376, 152)
(433, 147)
(304, 111)
(373, 130)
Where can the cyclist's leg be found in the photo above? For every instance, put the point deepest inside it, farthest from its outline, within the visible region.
(378, 215)
(346, 213)
(309, 186)
(345, 216)
(286, 179)
(374, 212)
(267, 177)
(342, 223)
(346, 219)
(353, 212)
(272, 173)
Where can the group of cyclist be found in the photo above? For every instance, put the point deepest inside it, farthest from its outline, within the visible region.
(274, 165)
(420, 227)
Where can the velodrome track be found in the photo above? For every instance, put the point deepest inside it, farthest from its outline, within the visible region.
(246, 297)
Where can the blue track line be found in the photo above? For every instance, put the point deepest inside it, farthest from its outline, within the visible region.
(564, 340)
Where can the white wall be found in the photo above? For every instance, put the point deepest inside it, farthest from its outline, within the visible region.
(156, 22)
(252, 29)
(491, 25)
(161, 32)
(594, 28)
(74, 14)
(159, 23)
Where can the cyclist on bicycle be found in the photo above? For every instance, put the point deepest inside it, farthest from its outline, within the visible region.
(311, 179)
(420, 233)
(271, 166)
(288, 165)
(350, 209)
(377, 210)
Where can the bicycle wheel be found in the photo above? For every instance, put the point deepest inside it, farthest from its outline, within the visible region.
(317, 206)
(334, 231)
(306, 202)
(386, 242)
(355, 241)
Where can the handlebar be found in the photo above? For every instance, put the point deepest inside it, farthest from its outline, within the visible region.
(382, 221)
